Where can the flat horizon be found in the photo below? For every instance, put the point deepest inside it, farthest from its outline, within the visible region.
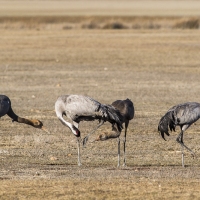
(87, 7)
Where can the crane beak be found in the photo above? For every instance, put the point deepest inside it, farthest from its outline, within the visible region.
(94, 141)
(97, 139)
(45, 129)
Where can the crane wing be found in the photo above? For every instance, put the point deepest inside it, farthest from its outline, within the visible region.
(5, 105)
(187, 113)
(78, 105)
(179, 115)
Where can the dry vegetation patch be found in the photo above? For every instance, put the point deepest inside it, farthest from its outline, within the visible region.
(150, 60)
(98, 22)
(156, 69)
(192, 23)
(120, 189)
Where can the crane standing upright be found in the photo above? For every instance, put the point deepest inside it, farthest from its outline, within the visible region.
(183, 115)
(83, 108)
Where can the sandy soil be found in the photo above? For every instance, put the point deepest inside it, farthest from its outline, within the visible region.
(155, 69)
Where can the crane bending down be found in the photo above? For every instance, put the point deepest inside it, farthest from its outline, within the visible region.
(83, 108)
(5, 108)
(182, 115)
(126, 108)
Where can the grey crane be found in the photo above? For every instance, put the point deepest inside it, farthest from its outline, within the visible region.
(182, 115)
(5, 108)
(126, 108)
(79, 108)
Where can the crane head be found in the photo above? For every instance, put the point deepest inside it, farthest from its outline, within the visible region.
(75, 131)
(38, 124)
(102, 137)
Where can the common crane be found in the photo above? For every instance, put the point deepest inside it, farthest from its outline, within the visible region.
(83, 108)
(126, 108)
(182, 115)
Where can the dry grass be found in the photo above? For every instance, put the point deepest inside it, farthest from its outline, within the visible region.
(154, 68)
(115, 25)
(192, 23)
(98, 22)
(150, 62)
(146, 14)
(113, 189)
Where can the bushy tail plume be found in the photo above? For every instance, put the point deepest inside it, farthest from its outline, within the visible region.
(166, 123)
(114, 116)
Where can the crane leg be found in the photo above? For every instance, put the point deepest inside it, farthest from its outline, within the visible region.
(78, 144)
(182, 150)
(180, 141)
(86, 138)
(126, 126)
(118, 152)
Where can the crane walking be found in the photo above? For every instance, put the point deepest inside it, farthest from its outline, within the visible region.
(83, 108)
(126, 108)
(182, 115)
(5, 108)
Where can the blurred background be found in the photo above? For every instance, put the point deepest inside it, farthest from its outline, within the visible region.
(100, 14)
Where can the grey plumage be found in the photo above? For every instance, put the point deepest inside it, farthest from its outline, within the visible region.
(126, 109)
(182, 115)
(5, 108)
(83, 108)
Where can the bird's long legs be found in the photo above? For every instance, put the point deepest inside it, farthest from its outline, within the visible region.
(86, 138)
(78, 144)
(180, 141)
(118, 152)
(126, 126)
(182, 150)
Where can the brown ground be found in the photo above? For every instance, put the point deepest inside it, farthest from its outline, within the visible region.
(155, 68)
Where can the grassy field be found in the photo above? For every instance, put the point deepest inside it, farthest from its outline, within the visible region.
(155, 68)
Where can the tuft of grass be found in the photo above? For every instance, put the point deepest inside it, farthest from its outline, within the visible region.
(150, 25)
(67, 27)
(192, 23)
(99, 22)
(115, 25)
(91, 25)
(136, 26)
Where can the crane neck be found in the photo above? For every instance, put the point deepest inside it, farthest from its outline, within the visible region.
(25, 121)
(106, 136)
(113, 135)
(16, 118)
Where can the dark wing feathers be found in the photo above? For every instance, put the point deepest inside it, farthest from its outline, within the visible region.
(5, 105)
(172, 126)
(181, 114)
(166, 123)
(114, 116)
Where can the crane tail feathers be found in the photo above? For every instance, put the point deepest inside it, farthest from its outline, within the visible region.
(114, 116)
(166, 123)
